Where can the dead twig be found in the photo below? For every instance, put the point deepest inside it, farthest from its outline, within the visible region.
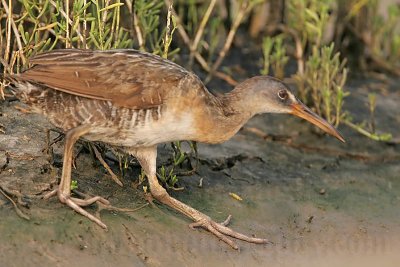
(55, 140)
(23, 156)
(245, 7)
(23, 110)
(139, 34)
(199, 33)
(98, 155)
(136, 28)
(203, 63)
(114, 177)
(17, 194)
(379, 61)
(17, 210)
(226, 78)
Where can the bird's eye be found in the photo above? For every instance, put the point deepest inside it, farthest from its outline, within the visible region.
(283, 94)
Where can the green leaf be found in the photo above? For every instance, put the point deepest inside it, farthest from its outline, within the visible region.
(312, 14)
(312, 27)
(111, 6)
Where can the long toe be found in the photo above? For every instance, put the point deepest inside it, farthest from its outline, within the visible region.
(222, 232)
(76, 204)
(70, 202)
(90, 201)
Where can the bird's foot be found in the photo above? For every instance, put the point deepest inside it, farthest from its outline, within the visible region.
(76, 204)
(222, 231)
(201, 220)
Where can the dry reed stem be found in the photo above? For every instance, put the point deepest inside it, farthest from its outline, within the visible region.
(84, 26)
(245, 7)
(10, 19)
(69, 21)
(199, 33)
(199, 58)
(67, 44)
(136, 27)
(168, 36)
(139, 34)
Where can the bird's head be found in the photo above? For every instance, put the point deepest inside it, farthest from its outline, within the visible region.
(265, 94)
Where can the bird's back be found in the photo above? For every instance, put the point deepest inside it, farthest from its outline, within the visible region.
(130, 98)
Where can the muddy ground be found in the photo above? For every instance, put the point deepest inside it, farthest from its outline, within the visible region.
(319, 202)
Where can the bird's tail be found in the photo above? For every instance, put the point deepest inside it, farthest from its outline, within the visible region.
(22, 89)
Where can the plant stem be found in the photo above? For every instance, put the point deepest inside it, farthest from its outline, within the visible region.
(67, 44)
(11, 21)
(244, 8)
(168, 36)
(376, 137)
(69, 21)
(200, 31)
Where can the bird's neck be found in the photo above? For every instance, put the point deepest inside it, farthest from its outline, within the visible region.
(225, 114)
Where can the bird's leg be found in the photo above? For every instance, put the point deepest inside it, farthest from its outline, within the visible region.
(147, 159)
(64, 190)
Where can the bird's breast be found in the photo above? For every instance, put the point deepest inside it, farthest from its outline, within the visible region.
(142, 127)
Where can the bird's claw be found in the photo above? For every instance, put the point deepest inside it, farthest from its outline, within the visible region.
(76, 204)
(222, 232)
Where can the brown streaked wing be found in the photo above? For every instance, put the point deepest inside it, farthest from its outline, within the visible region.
(128, 78)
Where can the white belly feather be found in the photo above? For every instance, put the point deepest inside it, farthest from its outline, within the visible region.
(148, 133)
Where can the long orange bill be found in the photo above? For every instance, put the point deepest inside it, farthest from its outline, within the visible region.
(302, 111)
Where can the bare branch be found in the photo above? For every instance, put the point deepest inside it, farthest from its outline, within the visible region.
(245, 7)
(199, 33)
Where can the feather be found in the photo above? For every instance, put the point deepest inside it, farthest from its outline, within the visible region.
(127, 78)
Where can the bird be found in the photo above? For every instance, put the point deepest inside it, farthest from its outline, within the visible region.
(134, 100)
